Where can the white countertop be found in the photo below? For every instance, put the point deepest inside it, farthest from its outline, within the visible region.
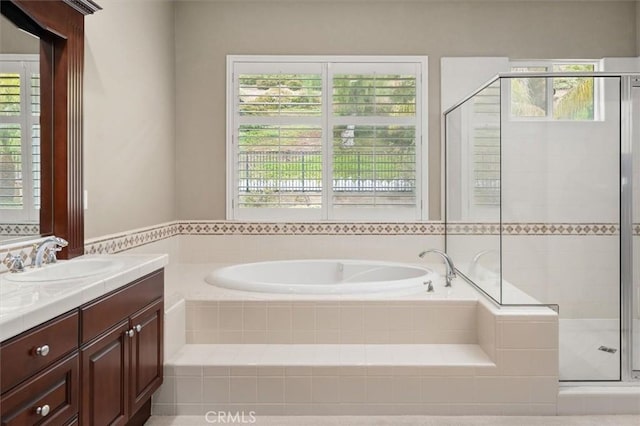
(26, 305)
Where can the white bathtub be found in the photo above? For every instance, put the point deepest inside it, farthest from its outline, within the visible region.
(323, 277)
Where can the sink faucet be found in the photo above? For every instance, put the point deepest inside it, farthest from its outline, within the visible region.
(451, 270)
(55, 244)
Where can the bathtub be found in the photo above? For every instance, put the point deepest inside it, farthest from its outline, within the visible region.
(323, 277)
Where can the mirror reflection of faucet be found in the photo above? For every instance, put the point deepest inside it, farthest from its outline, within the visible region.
(474, 266)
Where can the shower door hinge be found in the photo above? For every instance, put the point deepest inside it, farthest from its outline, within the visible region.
(554, 308)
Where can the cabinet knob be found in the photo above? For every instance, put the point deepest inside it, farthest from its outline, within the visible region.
(138, 328)
(129, 333)
(43, 351)
(43, 411)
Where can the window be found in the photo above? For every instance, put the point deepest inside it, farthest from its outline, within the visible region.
(559, 98)
(332, 138)
(19, 138)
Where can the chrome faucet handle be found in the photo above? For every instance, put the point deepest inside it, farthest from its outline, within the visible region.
(15, 263)
(429, 285)
(32, 255)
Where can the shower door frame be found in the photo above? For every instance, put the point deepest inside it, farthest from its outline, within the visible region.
(629, 86)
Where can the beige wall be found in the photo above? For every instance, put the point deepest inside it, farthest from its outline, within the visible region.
(14, 40)
(207, 31)
(129, 133)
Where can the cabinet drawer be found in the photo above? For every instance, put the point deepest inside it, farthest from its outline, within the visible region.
(54, 392)
(105, 312)
(35, 349)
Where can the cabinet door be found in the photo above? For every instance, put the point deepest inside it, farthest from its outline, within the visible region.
(105, 367)
(146, 353)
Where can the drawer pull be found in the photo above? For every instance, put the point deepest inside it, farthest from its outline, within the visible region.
(43, 411)
(138, 328)
(43, 351)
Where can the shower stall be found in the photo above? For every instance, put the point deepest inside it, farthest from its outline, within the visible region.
(543, 208)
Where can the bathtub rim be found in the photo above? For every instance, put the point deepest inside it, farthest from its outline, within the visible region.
(212, 278)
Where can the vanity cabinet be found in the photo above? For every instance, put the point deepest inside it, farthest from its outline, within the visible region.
(122, 359)
(96, 365)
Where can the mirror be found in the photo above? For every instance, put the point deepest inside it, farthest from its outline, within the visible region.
(60, 26)
(20, 131)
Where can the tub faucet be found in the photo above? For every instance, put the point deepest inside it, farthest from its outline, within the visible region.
(451, 270)
(55, 244)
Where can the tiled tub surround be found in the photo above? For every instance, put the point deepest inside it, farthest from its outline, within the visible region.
(332, 321)
(486, 361)
(277, 354)
(26, 305)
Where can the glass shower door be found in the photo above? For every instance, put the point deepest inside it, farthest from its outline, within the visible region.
(561, 213)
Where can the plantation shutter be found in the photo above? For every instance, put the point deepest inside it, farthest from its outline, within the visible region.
(375, 134)
(325, 140)
(19, 139)
(277, 138)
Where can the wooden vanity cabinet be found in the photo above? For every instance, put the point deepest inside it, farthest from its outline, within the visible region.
(101, 364)
(122, 359)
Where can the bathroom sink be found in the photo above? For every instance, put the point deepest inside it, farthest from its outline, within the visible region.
(65, 270)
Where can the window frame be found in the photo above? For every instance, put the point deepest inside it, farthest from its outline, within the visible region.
(25, 65)
(598, 90)
(327, 119)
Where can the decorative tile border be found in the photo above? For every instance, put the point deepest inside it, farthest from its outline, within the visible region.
(19, 229)
(561, 229)
(120, 242)
(309, 228)
(116, 243)
(538, 229)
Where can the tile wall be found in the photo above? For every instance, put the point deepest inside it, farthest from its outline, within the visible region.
(330, 322)
(512, 369)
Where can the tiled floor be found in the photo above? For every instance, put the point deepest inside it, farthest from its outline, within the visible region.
(580, 358)
(404, 421)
